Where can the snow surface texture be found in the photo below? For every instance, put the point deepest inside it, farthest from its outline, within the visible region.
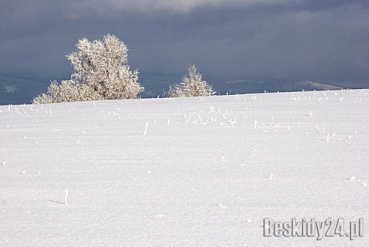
(183, 172)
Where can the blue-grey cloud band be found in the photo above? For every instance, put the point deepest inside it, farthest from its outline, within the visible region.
(313, 40)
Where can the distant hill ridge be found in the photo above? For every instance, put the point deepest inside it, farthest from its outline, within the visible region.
(15, 90)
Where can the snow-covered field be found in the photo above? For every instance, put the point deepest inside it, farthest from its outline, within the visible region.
(183, 172)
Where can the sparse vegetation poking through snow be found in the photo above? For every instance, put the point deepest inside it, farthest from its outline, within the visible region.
(145, 131)
(66, 197)
(101, 73)
(192, 85)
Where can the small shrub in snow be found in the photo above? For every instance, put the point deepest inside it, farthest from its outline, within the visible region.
(192, 85)
(101, 73)
(67, 91)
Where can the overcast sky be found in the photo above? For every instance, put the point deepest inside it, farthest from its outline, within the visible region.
(321, 40)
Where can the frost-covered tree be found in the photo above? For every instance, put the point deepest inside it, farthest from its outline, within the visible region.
(67, 91)
(101, 73)
(192, 85)
(103, 66)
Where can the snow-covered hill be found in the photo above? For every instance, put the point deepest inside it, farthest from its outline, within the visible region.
(184, 172)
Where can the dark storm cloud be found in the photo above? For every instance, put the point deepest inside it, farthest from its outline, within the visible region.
(304, 39)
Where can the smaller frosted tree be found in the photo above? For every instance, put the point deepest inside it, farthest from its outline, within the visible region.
(192, 85)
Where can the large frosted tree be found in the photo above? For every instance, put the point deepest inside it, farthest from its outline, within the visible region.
(101, 72)
(192, 85)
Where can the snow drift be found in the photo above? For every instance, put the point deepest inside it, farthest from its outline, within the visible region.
(183, 172)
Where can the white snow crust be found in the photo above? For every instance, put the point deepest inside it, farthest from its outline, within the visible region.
(183, 171)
